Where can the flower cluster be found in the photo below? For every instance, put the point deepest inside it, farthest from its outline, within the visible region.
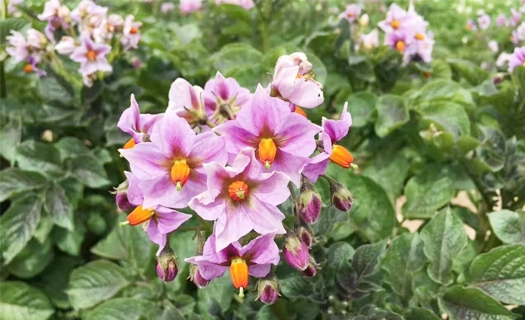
(87, 35)
(188, 6)
(234, 157)
(405, 31)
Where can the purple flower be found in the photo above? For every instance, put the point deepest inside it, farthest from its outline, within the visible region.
(520, 32)
(35, 39)
(139, 126)
(104, 32)
(503, 59)
(471, 25)
(167, 7)
(187, 102)
(241, 199)
(66, 46)
(422, 46)
(188, 6)
(293, 81)
(517, 58)
(86, 10)
(484, 21)
(170, 167)
(255, 258)
(246, 4)
(131, 33)
(32, 65)
(370, 40)
(351, 13)
(91, 56)
(284, 140)
(223, 98)
(515, 17)
(396, 19)
(165, 220)
(493, 46)
(18, 49)
(501, 20)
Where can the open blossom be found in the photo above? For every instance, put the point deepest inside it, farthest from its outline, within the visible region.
(223, 98)
(18, 49)
(471, 25)
(484, 21)
(131, 33)
(57, 15)
(139, 126)
(188, 6)
(255, 259)
(501, 20)
(89, 12)
(246, 4)
(351, 12)
(421, 46)
(187, 102)
(520, 32)
(170, 167)
(515, 17)
(104, 32)
(161, 220)
(91, 56)
(241, 198)
(167, 7)
(284, 140)
(36, 39)
(493, 45)
(333, 131)
(503, 59)
(517, 58)
(293, 81)
(66, 46)
(396, 19)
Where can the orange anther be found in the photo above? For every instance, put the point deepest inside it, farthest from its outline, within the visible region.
(267, 152)
(28, 68)
(238, 190)
(299, 111)
(341, 156)
(139, 215)
(130, 144)
(395, 24)
(400, 46)
(239, 274)
(180, 173)
(91, 55)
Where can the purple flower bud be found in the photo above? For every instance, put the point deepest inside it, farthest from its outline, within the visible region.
(196, 277)
(121, 197)
(341, 197)
(311, 269)
(268, 289)
(295, 252)
(167, 267)
(309, 202)
(306, 235)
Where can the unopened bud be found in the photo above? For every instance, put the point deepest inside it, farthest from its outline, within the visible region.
(121, 197)
(167, 267)
(196, 277)
(309, 202)
(311, 269)
(295, 252)
(305, 235)
(268, 289)
(341, 197)
(364, 20)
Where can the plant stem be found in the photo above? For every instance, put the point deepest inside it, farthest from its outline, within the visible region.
(294, 199)
(3, 88)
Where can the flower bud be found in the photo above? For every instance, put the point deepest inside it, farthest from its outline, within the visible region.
(311, 269)
(167, 267)
(309, 202)
(364, 20)
(268, 289)
(196, 277)
(306, 235)
(341, 197)
(295, 252)
(121, 197)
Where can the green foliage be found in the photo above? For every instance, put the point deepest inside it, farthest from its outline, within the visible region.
(437, 224)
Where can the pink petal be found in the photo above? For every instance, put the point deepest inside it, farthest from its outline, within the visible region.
(208, 147)
(145, 160)
(338, 129)
(173, 135)
(273, 189)
(262, 250)
(265, 217)
(259, 270)
(290, 165)
(232, 225)
(297, 136)
(134, 193)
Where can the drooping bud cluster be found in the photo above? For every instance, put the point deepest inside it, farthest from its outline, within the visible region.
(88, 35)
(233, 157)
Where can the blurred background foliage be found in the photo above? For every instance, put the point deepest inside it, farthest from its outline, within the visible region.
(443, 137)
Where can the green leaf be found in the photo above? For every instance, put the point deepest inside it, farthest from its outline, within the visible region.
(442, 90)
(448, 116)
(444, 237)
(53, 281)
(59, 207)
(95, 282)
(470, 303)
(70, 241)
(71, 147)
(88, 170)
(402, 259)
(14, 181)
(318, 67)
(18, 224)
(509, 226)
(338, 253)
(361, 105)
(16, 24)
(389, 171)
(216, 298)
(518, 76)
(391, 114)
(441, 69)
(500, 273)
(235, 55)
(368, 197)
(20, 301)
(468, 70)
(428, 191)
(124, 309)
(127, 243)
(32, 260)
(40, 157)
(421, 314)
(10, 136)
(54, 89)
(366, 258)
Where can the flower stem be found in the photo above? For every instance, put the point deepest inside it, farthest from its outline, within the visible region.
(3, 89)
(294, 199)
